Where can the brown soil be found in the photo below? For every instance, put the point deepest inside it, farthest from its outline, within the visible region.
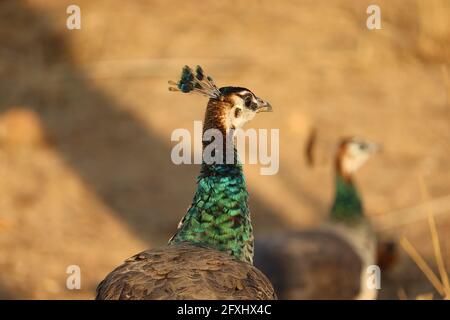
(86, 118)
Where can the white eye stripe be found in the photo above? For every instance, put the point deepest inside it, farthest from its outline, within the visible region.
(244, 93)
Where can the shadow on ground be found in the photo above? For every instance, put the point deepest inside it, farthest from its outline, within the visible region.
(123, 161)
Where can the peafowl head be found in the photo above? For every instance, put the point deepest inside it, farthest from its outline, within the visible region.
(353, 152)
(228, 107)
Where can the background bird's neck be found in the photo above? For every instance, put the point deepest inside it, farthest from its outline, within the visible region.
(347, 205)
(219, 215)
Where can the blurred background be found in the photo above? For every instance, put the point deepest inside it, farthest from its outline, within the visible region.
(85, 122)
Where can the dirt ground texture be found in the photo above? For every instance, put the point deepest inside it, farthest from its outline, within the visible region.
(86, 118)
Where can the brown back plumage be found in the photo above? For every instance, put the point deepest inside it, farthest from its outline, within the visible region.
(313, 264)
(185, 271)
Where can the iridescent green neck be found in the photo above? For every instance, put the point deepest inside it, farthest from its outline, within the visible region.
(219, 216)
(347, 205)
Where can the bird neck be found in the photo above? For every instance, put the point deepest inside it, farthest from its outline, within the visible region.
(216, 136)
(219, 216)
(347, 205)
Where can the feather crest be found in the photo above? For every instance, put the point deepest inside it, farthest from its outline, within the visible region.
(195, 82)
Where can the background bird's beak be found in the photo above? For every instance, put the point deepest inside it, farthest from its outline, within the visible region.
(263, 106)
(375, 147)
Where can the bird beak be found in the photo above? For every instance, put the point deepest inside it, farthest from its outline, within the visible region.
(263, 106)
(375, 148)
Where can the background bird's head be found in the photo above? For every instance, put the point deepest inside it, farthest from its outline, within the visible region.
(228, 107)
(353, 153)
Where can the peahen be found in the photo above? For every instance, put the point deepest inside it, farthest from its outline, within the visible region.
(211, 254)
(329, 262)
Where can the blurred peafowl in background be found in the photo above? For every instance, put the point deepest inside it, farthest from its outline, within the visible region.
(329, 262)
(211, 254)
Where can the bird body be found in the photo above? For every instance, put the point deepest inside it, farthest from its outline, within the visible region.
(211, 254)
(362, 240)
(328, 262)
(185, 271)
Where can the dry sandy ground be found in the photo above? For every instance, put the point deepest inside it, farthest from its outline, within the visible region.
(86, 119)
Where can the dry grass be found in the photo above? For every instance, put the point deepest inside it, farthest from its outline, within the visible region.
(441, 284)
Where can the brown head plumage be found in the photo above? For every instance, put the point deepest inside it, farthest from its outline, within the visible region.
(352, 153)
(228, 107)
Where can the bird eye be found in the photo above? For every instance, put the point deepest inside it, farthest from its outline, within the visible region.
(248, 101)
(237, 113)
